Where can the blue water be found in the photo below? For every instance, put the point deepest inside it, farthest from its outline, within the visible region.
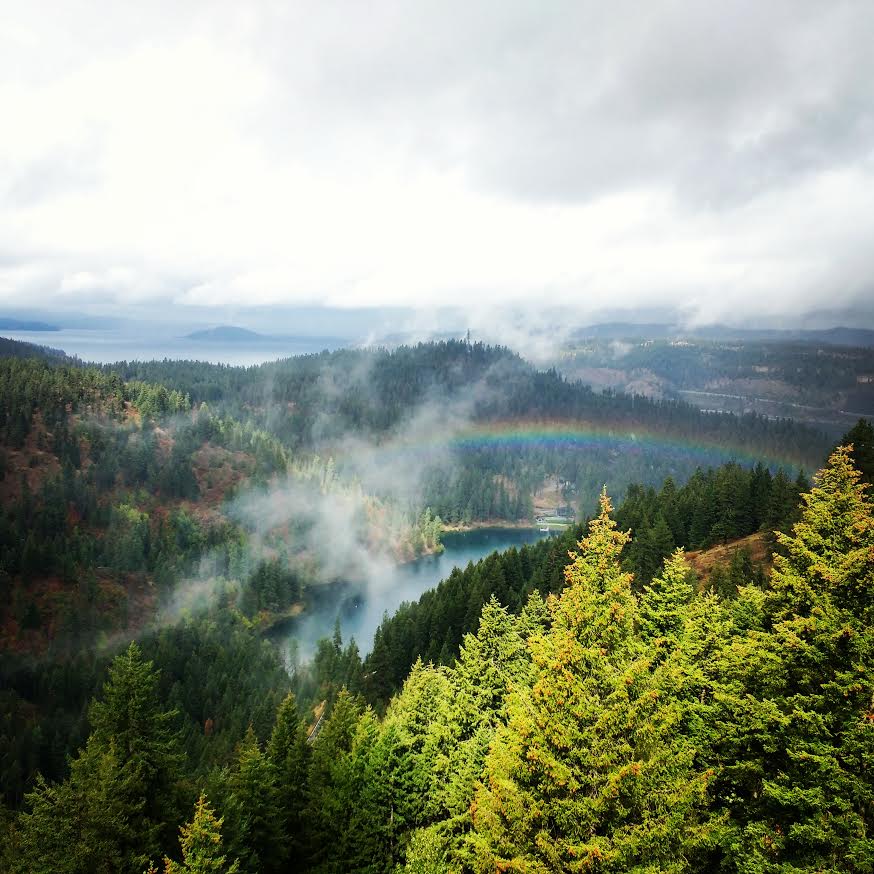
(361, 614)
(105, 346)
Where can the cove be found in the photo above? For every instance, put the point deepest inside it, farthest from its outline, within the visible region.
(360, 608)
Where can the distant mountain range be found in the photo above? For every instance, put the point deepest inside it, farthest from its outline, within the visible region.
(627, 331)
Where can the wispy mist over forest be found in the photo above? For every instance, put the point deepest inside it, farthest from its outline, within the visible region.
(436, 437)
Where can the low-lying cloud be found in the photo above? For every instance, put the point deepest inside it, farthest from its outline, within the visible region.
(715, 159)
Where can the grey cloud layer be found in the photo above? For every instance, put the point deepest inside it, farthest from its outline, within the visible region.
(566, 99)
(709, 157)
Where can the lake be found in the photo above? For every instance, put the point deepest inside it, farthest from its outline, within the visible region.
(361, 615)
(106, 346)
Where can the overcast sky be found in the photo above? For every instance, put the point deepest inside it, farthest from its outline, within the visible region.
(714, 157)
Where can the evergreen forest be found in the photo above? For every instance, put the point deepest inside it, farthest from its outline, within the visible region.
(437, 439)
(679, 683)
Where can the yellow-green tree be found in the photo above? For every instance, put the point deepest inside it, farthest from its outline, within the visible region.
(201, 841)
(800, 786)
(590, 772)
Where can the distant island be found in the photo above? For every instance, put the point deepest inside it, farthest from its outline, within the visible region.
(7, 324)
(226, 334)
(231, 334)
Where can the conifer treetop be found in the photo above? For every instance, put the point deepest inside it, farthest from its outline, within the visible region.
(831, 548)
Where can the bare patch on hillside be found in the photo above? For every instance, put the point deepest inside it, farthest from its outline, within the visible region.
(704, 560)
(218, 470)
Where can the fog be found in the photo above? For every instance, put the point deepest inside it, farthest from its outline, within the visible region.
(233, 160)
(339, 514)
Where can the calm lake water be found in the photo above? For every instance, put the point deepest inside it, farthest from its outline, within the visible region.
(361, 614)
(105, 346)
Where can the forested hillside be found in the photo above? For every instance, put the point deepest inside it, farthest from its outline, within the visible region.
(135, 509)
(123, 509)
(17, 349)
(610, 727)
(475, 427)
(436, 440)
(812, 381)
(713, 507)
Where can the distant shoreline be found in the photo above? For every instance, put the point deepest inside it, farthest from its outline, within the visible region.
(459, 528)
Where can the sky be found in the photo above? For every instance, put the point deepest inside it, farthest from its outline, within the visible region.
(715, 159)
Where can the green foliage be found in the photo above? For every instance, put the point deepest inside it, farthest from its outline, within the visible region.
(201, 842)
(254, 816)
(314, 400)
(87, 823)
(334, 782)
(607, 728)
(669, 731)
(861, 438)
(663, 604)
(127, 539)
(120, 799)
(714, 506)
(289, 753)
(805, 801)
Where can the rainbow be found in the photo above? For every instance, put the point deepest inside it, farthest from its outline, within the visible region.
(580, 435)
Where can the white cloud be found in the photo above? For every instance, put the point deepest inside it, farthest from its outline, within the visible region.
(438, 154)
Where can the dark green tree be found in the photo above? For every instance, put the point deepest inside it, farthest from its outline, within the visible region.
(861, 438)
(256, 833)
(288, 751)
(119, 805)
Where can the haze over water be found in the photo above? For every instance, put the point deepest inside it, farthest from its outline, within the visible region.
(360, 616)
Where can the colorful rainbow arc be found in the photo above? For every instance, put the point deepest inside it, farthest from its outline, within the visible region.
(581, 435)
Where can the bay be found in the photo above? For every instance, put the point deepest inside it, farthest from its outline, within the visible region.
(106, 346)
(360, 612)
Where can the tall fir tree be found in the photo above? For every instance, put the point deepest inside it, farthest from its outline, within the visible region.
(201, 842)
(330, 801)
(254, 811)
(590, 772)
(120, 804)
(664, 601)
(805, 739)
(288, 751)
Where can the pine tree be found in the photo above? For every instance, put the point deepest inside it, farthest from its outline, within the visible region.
(129, 717)
(829, 551)
(201, 842)
(329, 805)
(82, 825)
(288, 751)
(119, 801)
(254, 812)
(590, 770)
(399, 762)
(490, 664)
(663, 603)
(806, 740)
(652, 544)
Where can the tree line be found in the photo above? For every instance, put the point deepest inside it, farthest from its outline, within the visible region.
(312, 401)
(607, 728)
